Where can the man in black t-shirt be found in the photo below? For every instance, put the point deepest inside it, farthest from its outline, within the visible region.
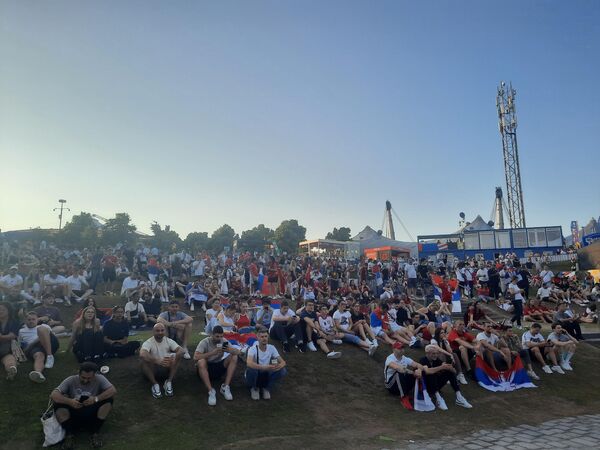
(437, 374)
(116, 335)
(310, 330)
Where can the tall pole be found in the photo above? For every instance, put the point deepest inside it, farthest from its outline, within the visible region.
(60, 214)
(507, 117)
(390, 223)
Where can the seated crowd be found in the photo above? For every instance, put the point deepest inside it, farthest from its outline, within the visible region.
(307, 305)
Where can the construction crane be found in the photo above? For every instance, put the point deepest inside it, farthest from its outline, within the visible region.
(507, 121)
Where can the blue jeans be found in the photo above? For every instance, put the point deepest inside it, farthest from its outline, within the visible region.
(351, 338)
(262, 378)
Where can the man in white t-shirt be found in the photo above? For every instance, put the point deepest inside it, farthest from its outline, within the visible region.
(411, 279)
(400, 373)
(546, 275)
(78, 286)
(198, 267)
(264, 366)
(539, 349)
(544, 293)
(130, 285)
(135, 313)
(284, 324)
(342, 319)
(482, 276)
(160, 358)
(488, 347)
(57, 285)
(38, 343)
(11, 285)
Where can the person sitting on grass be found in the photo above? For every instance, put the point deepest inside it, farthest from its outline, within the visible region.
(264, 366)
(83, 401)
(56, 284)
(463, 344)
(535, 312)
(284, 324)
(50, 314)
(489, 349)
(343, 324)
(513, 343)
(437, 374)
(135, 313)
(539, 349)
(38, 342)
(380, 324)
(360, 324)
(400, 373)
(130, 285)
(565, 345)
(87, 340)
(327, 327)
(79, 288)
(211, 315)
(160, 357)
(569, 320)
(9, 330)
(216, 357)
(311, 332)
(116, 336)
(440, 338)
(178, 324)
(265, 313)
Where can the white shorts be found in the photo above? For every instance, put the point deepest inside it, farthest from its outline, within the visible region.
(378, 331)
(395, 327)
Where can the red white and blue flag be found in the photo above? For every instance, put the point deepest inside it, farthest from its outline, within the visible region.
(422, 400)
(504, 381)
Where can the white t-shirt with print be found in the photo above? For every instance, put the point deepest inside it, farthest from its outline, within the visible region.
(343, 318)
(529, 337)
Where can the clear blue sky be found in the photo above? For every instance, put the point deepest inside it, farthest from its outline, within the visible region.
(196, 114)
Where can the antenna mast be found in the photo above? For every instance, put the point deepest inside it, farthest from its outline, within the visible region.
(507, 117)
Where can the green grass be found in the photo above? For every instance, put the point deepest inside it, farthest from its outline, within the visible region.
(321, 404)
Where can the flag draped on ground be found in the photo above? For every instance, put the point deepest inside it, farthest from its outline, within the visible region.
(504, 381)
(422, 400)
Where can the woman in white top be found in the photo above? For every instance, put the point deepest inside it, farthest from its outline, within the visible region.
(227, 319)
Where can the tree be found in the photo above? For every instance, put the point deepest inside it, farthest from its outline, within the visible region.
(164, 239)
(288, 235)
(119, 229)
(341, 234)
(222, 237)
(196, 241)
(80, 232)
(256, 239)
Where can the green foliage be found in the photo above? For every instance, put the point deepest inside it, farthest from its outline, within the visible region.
(167, 239)
(222, 237)
(197, 241)
(339, 234)
(288, 235)
(256, 239)
(119, 229)
(80, 232)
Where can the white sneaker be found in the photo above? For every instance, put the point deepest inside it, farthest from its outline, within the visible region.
(67, 302)
(266, 394)
(567, 366)
(37, 377)
(461, 378)
(168, 387)
(558, 369)
(532, 375)
(311, 346)
(226, 392)
(192, 308)
(439, 401)
(49, 362)
(375, 342)
(547, 369)
(156, 391)
(254, 394)
(372, 350)
(412, 340)
(334, 355)
(212, 397)
(187, 355)
(461, 401)
(337, 341)
(11, 373)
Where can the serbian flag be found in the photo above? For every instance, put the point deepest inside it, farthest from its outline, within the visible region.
(503, 381)
(422, 401)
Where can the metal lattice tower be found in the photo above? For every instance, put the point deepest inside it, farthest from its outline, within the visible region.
(507, 116)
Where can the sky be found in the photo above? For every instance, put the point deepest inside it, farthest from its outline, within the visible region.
(195, 113)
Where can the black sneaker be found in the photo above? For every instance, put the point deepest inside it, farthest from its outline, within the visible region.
(302, 348)
(286, 347)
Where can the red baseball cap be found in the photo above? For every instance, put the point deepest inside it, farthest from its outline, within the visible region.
(398, 345)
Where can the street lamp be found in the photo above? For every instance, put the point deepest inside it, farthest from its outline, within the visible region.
(60, 215)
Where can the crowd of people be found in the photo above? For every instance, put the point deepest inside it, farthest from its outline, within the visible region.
(307, 304)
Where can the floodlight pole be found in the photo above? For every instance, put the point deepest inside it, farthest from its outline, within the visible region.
(60, 215)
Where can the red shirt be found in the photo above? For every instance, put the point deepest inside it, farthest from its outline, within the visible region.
(465, 336)
(110, 261)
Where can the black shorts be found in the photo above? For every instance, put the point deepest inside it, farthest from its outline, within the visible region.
(78, 292)
(412, 283)
(109, 274)
(37, 347)
(216, 370)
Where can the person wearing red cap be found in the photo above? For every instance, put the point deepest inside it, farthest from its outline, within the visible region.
(400, 373)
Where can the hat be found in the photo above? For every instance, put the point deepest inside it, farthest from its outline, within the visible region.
(398, 345)
(431, 348)
(14, 268)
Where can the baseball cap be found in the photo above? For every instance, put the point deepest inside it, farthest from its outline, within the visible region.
(398, 345)
(14, 268)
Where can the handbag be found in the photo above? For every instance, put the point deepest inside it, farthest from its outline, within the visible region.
(17, 351)
(53, 431)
